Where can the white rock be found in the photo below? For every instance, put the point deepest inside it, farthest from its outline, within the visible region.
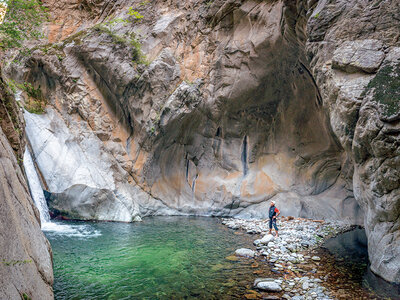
(270, 286)
(245, 252)
(267, 238)
(316, 258)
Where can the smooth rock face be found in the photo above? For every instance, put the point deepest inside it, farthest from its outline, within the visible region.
(270, 286)
(25, 254)
(86, 182)
(239, 103)
(207, 130)
(245, 252)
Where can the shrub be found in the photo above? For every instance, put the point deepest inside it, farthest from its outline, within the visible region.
(134, 14)
(21, 22)
(35, 102)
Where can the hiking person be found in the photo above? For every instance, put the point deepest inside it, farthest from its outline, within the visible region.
(273, 214)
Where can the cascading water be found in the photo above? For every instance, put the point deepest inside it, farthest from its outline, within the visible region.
(36, 188)
(50, 227)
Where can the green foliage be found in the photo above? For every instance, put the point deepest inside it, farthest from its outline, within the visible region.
(117, 39)
(35, 102)
(15, 262)
(22, 21)
(76, 38)
(128, 40)
(316, 16)
(12, 85)
(188, 82)
(26, 297)
(134, 14)
(31, 91)
(109, 25)
(138, 55)
(35, 106)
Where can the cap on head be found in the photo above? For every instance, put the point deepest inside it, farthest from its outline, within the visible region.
(272, 202)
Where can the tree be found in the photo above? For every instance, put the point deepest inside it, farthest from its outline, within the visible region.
(22, 21)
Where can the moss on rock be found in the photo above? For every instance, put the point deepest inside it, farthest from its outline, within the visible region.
(386, 90)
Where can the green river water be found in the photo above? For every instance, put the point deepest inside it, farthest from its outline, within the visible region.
(184, 258)
(159, 258)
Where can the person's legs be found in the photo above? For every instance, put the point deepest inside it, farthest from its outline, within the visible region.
(276, 227)
(270, 226)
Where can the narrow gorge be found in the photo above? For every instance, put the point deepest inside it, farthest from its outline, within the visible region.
(207, 108)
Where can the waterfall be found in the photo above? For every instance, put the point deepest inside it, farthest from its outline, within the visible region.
(36, 188)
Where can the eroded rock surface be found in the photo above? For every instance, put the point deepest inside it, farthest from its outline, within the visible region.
(25, 255)
(218, 122)
(225, 106)
(357, 70)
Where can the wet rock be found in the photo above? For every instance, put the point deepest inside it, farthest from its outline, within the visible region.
(316, 258)
(284, 260)
(267, 284)
(245, 252)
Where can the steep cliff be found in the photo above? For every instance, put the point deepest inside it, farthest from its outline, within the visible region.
(354, 49)
(216, 107)
(25, 253)
(184, 111)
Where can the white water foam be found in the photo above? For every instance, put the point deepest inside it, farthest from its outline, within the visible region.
(80, 231)
(83, 231)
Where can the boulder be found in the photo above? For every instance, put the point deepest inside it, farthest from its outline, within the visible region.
(245, 252)
(267, 238)
(267, 284)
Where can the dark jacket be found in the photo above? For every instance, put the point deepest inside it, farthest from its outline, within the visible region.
(273, 211)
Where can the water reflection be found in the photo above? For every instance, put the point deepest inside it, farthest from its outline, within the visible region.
(351, 255)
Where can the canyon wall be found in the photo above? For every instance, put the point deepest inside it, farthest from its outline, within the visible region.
(354, 49)
(216, 107)
(25, 255)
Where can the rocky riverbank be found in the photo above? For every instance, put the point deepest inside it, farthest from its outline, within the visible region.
(295, 257)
